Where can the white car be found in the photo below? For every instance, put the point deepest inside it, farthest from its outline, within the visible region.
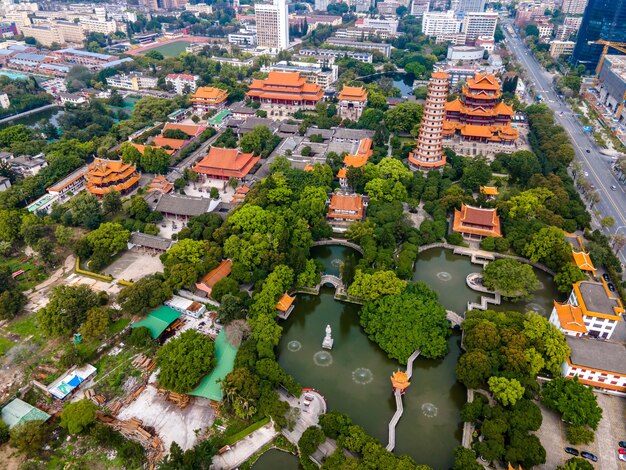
(621, 457)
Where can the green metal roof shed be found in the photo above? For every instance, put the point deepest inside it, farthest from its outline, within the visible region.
(158, 320)
(18, 412)
(209, 387)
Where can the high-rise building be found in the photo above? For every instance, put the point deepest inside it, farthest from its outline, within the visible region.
(574, 7)
(466, 6)
(603, 19)
(440, 24)
(428, 154)
(272, 24)
(477, 24)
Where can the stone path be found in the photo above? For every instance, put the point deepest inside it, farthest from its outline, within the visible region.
(244, 449)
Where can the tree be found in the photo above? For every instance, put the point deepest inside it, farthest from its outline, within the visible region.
(607, 222)
(112, 202)
(548, 246)
(531, 30)
(155, 160)
(45, 250)
(403, 117)
(510, 278)
(476, 173)
(576, 463)
(310, 440)
(242, 390)
(465, 459)
(373, 286)
(567, 276)
(402, 323)
(109, 238)
(184, 360)
(576, 402)
(473, 368)
(335, 424)
(78, 416)
(4, 432)
(140, 337)
(66, 310)
(579, 435)
(506, 391)
(10, 221)
(257, 141)
(231, 308)
(96, 323)
(85, 210)
(310, 276)
(147, 293)
(224, 287)
(29, 437)
(63, 235)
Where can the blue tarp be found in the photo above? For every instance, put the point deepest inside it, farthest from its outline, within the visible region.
(75, 382)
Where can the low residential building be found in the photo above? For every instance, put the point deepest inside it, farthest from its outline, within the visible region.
(352, 102)
(45, 35)
(388, 8)
(149, 243)
(207, 98)
(182, 83)
(188, 307)
(285, 306)
(17, 412)
(104, 176)
(72, 98)
(289, 91)
(5, 183)
(206, 284)
(132, 81)
(596, 363)
(345, 209)
(490, 191)
(179, 207)
(486, 43)
(591, 310)
(82, 57)
(364, 33)
(27, 165)
(559, 48)
(160, 184)
(382, 47)
(72, 183)
(223, 164)
(239, 111)
(313, 73)
(243, 38)
(476, 223)
(387, 25)
(70, 381)
(545, 27)
(365, 57)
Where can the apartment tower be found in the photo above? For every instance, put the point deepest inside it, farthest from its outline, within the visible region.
(428, 154)
(272, 24)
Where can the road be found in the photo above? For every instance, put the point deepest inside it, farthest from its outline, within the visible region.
(597, 167)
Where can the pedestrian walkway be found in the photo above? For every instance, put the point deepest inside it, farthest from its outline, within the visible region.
(399, 407)
(245, 448)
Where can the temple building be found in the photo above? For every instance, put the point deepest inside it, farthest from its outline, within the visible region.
(160, 184)
(591, 310)
(490, 191)
(111, 175)
(206, 284)
(583, 261)
(207, 98)
(285, 306)
(428, 154)
(480, 115)
(476, 223)
(344, 209)
(223, 164)
(358, 160)
(352, 102)
(288, 91)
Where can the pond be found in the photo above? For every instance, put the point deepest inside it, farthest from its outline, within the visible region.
(275, 459)
(51, 115)
(403, 81)
(445, 272)
(332, 257)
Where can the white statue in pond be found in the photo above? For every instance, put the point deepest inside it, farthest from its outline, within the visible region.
(328, 340)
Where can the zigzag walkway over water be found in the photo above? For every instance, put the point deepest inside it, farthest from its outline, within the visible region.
(399, 407)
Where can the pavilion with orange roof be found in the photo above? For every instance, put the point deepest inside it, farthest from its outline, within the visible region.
(286, 89)
(400, 381)
(160, 184)
(480, 115)
(352, 102)
(207, 98)
(358, 160)
(476, 223)
(490, 191)
(285, 306)
(104, 176)
(583, 261)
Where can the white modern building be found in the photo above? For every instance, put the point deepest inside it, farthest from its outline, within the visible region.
(574, 7)
(442, 25)
(314, 73)
(419, 7)
(464, 54)
(182, 83)
(243, 38)
(476, 24)
(467, 6)
(132, 81)
(272, 23)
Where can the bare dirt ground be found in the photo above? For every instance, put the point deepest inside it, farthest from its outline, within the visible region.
(171, 423)
(9, 458)
(133, 265)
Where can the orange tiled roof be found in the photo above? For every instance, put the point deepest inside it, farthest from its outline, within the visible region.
(223, 162)
(188, 129)
(342, 173)
(583, 261)
(176, 144)
(503, 108)
(400, 380)
(308, 167)
(477, 221)
(482, 81)
(353, 93)
(285, 86)
(489, 190)
(365, 147)
(160, 184)
(108, 175)
(472, 130)
(613, 302)
(570, 317)
(440, 75)
(210, 279)
(285, 302)
(346, 206)
(142, 148)
(209, 93)
(454, 105)
(289, 79)
(355, 161)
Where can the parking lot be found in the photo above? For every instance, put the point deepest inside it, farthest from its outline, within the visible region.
(133, 265)
(612, 429)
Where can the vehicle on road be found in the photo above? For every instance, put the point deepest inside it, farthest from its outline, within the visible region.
(606, 277)
(588, 151)
(611, 286)
(588, 456)
(572, 451)
(613, 188)
(586, 174)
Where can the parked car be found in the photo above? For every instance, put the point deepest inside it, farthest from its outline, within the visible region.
(572, 451)
(622, 443)
(613, 188)
(588, 151)
(621, 457)
(606, 277)
(588, 456)
(610, 286)
(622, 451)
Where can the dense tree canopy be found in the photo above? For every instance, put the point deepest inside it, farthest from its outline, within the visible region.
(67, 309)
(510, 278)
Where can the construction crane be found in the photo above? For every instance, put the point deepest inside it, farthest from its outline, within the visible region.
(619, 46)
(620, 108)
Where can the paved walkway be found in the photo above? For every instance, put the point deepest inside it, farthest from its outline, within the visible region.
(399, 407)
(245, 448)
(309, 415)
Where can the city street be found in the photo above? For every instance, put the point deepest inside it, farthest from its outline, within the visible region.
(597, 167)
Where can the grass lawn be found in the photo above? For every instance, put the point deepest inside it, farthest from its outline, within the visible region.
(5, 345)
(117, 326)
(33, 274)
(25, 327)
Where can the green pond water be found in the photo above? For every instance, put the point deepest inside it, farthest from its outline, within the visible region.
(354, 376)
(275, 459)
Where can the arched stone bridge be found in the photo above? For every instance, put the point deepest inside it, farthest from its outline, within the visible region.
(338, 241)
(330, 279)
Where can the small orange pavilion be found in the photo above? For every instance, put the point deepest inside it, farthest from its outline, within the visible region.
(400, 381)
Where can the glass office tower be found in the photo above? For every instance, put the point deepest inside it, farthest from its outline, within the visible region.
(603, 19)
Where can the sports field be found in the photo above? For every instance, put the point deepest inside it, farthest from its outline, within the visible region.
(171, 49)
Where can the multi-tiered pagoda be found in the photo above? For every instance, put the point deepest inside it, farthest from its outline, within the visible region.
(480, 115)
